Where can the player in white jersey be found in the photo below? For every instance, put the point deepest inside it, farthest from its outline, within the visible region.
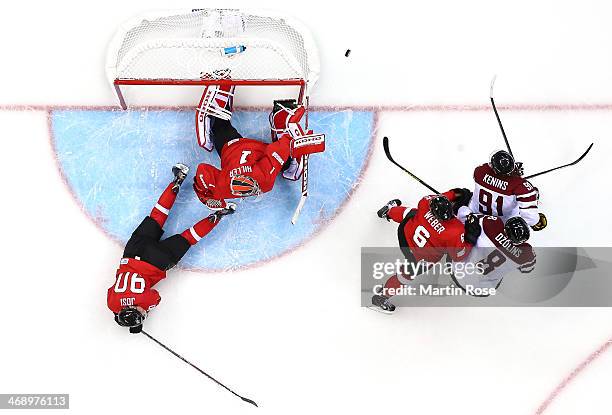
(501, 191)
(500, 249)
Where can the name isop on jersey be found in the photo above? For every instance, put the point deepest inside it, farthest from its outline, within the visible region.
(127, 301)
(240, 170)
(435, 223)
(495, 182)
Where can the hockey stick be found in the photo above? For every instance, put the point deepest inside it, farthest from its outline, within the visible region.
(388, 153)
(304, 196)
(197, 368)
(501, 127)
(560, 167)
(302, 201)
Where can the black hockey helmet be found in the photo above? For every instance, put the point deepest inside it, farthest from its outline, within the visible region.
(441, 207)
(502, 162)
(517, 230)
(129, 317)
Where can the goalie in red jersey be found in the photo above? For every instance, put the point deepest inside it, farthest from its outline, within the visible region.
(427, 233)
(248, 167)
(146, 258)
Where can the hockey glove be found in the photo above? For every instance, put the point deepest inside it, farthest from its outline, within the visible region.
(472, 229)
(542, 223)
(462, 198)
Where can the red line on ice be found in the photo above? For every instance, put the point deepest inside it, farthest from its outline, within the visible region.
(573, 374)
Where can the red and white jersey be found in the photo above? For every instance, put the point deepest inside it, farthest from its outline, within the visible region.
(503, 196)
(428, 238)
(495, 256)
(248, 167)
(133, 285)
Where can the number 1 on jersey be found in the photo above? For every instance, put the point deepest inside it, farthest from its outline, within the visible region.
(243, 158)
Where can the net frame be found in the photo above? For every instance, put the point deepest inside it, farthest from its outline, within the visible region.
(305, 67)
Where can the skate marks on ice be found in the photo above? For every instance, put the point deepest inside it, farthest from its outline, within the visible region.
(116, 163)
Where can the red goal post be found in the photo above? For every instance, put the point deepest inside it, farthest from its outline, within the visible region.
(212, 46)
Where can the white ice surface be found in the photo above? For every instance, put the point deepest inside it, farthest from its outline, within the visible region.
(291, 334)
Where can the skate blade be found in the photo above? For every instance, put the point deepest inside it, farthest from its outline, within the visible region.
(380, 310)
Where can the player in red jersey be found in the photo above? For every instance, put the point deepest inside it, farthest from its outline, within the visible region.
(248, 167)
(427, 233)
(146, 258)
(501, 248)
(500, 190)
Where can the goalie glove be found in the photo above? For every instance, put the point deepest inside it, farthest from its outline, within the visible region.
(542, 223)
(307, 144)
(303, 143)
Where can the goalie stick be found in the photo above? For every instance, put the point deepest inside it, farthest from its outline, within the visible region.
(197, 368)
(388, 154)
(304, 195)
(501, 127)
(560, 167)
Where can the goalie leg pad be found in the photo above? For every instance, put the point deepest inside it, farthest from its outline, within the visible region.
(281, 111)
(216, 102)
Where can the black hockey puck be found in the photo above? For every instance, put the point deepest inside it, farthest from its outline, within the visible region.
(348, 52)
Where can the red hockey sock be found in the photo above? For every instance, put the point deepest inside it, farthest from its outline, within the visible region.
(198, 231)
(162, 208)
(392, 283)
(395, 282)
(397, 213)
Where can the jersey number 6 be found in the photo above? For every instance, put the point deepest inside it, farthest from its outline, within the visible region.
(421, 235)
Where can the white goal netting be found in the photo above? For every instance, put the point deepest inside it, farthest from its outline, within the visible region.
(210, 44)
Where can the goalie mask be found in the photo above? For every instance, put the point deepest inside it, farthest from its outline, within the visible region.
(243, 186)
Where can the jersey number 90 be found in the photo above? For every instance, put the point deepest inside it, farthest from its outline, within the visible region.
(136, 282)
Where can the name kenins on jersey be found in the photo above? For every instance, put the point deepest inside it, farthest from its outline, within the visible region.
(495, 182)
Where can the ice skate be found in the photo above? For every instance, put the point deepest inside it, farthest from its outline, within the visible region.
(179, 170)
(382, 304)
(383, 212)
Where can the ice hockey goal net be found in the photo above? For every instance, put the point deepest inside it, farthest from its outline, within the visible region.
(212, 46)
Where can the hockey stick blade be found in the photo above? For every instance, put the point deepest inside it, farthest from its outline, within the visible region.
(298, 209)
(252, 402)
(388, 154)
(560, 167)
(302, 201)
(501, 127)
